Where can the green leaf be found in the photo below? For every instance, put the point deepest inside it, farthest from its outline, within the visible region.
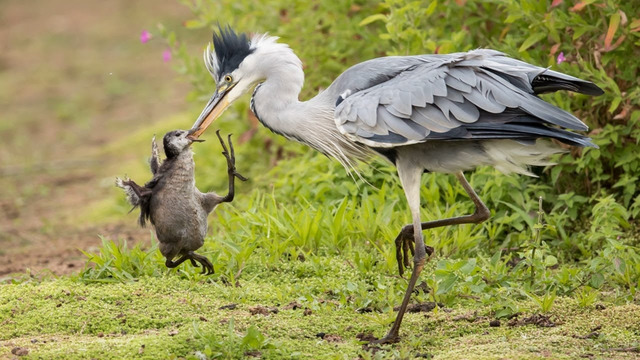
(620, 265)
(447, 284)
(531, 40)
(253, 339)
(550, 260)
(372, 18)
(513, 17)
(615, 103)
(523, 214)
(579, 31)
(503, 313)
(596, 281)
(468, 267)
(432, 7)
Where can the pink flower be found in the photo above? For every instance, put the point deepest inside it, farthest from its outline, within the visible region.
(166, 55)
(145, 36)
(561, 58)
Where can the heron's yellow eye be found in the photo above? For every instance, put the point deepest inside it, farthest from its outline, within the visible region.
(228, 78)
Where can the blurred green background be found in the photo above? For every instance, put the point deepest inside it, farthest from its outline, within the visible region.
(74, 80)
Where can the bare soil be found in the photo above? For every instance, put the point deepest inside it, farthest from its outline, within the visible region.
(74, 77)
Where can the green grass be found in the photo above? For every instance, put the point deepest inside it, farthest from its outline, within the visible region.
(342, 229)
(169, 316)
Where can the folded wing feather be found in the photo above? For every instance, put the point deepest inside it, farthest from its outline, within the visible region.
(439, 93)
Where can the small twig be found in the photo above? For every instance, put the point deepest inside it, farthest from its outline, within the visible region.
(350, 264)
(580, 284)
(237, 276)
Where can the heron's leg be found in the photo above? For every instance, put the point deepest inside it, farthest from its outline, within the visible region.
(410, 179)
(404, 241)
(231, 167)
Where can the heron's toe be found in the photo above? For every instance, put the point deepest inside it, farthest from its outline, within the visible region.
(388, 339)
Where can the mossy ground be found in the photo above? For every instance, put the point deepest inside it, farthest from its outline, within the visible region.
(172, 317)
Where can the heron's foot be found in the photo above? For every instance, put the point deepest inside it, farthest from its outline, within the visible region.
(405, 249)
(404, 246)
(230, 155)
(387, 339)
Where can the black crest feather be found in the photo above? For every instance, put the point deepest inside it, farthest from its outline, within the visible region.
(231, 49)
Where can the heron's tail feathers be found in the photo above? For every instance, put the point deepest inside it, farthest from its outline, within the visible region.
(514, 156)
(550, 81)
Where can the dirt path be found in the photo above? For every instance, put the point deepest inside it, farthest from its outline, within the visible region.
(74, 76)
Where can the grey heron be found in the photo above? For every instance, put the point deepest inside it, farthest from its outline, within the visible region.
(426, 113)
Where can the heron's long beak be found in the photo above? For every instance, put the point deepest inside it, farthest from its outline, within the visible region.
(214, 108)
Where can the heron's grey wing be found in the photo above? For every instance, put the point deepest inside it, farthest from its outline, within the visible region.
(456, 96)
(154, 160)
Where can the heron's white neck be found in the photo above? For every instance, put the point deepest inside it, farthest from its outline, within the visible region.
(278, 93)
(275, 102)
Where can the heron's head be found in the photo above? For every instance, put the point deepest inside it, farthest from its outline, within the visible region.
(237, 64)
(177, 141)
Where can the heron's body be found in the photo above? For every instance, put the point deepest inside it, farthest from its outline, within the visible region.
(384, 105)
(439, 113)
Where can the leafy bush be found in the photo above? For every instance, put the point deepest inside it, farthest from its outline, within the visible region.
(117, 263)
(598, 41)
(232, 346)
